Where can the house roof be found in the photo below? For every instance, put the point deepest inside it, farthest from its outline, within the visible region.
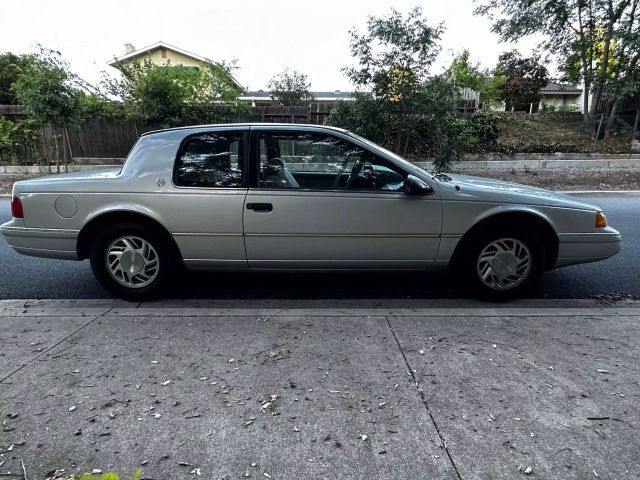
(555, 88)
(318, 95)
(150, 48)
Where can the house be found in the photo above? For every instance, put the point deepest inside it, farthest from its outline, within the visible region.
(562, 95)
(162, 54)
(262, 98)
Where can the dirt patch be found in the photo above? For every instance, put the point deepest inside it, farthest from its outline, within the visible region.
(568, 179)
(523, 130)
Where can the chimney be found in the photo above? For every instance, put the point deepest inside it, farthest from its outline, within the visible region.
(128, 48)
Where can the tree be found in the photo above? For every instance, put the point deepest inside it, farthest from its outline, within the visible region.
(290, 88)
(395, 54)
(581, 31)
(463, 73)
(11, 66)
(48, 89)
(175, 95)
(51, 94)
(393, 58)
(524, 77)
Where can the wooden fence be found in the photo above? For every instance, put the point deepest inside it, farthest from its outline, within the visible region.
(114, 139)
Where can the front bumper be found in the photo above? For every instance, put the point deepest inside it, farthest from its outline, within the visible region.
(574, 248)
(41, 242)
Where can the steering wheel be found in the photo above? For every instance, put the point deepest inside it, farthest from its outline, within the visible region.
(336, 181)
(357, 168)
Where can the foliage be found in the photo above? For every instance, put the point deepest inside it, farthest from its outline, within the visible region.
(591, 38)
(395, 54)
(524, 79)
(550, 107)
(15, 137)
(47, 88)
(481, 132)
(406, 111)
(431, 128)
(98, 106)
(175, 95)
(105, 476)
(11, 66)
(290, 88)
(463, 73)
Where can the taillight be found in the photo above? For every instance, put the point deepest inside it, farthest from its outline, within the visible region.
(16, 208)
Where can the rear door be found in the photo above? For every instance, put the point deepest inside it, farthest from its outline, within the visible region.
(320, 200)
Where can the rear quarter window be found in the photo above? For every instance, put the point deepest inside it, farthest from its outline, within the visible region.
(211, 160)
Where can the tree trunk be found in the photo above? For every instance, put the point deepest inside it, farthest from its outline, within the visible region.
(636, 123)
(585, 103)
(612, 118)
(66, 134)
(597, 94)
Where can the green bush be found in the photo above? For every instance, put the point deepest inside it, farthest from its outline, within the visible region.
(16, 137)
(431, 128)
(481, 132)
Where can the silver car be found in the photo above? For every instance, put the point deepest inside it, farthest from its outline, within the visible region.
(296, 197)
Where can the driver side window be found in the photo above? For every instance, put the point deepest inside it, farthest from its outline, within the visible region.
(322, 162)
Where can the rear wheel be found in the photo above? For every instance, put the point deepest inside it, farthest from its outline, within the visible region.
(131, 261)
(503, 265)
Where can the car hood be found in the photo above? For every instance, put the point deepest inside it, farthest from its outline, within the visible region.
(487, 189)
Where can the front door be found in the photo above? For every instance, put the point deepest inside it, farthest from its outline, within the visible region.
(322, 201)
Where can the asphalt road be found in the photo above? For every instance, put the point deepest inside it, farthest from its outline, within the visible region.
(26, 277)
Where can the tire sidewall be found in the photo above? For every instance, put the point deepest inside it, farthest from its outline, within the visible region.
(97, 256)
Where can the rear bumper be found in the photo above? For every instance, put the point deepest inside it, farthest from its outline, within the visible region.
(41, 242)
(574, 248)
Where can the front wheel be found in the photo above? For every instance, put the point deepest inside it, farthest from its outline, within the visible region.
(130, 261)
(503, 265)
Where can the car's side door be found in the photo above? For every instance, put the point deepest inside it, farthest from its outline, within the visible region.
(321, 200)
(209, 188)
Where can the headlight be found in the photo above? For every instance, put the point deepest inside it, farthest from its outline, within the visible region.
(601, 220)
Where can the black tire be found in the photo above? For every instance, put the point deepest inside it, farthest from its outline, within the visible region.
(165, 258)
(467, 263)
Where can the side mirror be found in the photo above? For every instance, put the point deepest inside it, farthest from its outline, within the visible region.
(414, 186)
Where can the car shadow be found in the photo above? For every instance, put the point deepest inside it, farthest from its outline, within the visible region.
(312, 285)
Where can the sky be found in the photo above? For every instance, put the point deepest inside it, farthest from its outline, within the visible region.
(265, 37)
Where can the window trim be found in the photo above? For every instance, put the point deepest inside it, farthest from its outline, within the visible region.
(254, 184)
(244, 139)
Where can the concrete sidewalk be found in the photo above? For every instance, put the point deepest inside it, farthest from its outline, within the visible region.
(355, 389)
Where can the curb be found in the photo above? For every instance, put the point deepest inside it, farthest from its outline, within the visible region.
(336, 305)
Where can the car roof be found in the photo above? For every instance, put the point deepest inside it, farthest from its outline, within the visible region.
(300, 126)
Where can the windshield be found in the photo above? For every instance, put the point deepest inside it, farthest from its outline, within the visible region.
(406, 163)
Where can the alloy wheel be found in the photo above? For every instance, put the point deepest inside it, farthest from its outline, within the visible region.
(132, 261)
(504, 263)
